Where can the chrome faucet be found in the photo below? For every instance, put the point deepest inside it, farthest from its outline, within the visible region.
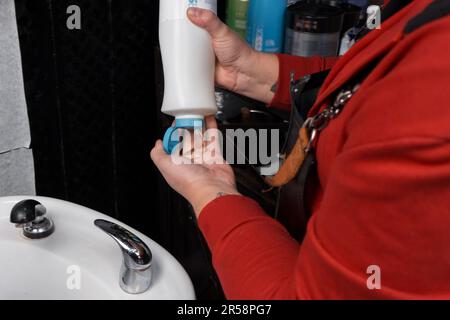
(136, 270)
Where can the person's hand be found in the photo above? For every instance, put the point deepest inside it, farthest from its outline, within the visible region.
(198, 183)
(240, 68)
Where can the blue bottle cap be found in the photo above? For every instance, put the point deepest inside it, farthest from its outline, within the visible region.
(172, 138)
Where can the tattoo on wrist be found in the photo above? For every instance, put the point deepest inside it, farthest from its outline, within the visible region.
(274, 87)
(221, 194)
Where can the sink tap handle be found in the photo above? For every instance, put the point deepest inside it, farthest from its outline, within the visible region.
(136, 271)
(30, 215)
(27, 211)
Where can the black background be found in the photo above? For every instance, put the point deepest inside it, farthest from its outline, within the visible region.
(94, 97)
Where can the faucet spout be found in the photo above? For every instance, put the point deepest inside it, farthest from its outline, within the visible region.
(136, 271)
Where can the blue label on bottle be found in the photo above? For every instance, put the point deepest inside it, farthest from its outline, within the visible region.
(204, 4)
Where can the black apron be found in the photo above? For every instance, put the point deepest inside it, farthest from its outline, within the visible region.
(292, 205)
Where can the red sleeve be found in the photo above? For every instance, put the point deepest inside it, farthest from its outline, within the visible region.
(386, 199)
(300, 66)
(253, 254)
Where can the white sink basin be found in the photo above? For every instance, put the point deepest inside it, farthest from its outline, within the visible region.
(78, 261)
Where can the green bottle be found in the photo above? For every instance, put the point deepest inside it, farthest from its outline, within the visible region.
(237, 16)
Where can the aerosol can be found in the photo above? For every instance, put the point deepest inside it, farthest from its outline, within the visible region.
(189, 65)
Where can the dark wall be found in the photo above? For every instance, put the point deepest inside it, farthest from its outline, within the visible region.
(94, 97)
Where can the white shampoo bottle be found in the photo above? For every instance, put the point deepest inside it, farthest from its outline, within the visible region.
(189, 64)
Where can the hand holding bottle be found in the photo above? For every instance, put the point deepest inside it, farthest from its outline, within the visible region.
(239, 68)
(199, 182)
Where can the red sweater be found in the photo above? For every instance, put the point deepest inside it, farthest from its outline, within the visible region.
(383, 195)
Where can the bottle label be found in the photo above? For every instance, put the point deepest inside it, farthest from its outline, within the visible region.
(204, 4)
(176, 9)
(259, 39)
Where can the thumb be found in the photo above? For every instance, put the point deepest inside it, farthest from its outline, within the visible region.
(209, 21)
(161, 159)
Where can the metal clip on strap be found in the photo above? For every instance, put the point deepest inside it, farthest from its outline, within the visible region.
(319, 122)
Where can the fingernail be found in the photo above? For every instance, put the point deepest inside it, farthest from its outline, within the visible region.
(194, 12)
